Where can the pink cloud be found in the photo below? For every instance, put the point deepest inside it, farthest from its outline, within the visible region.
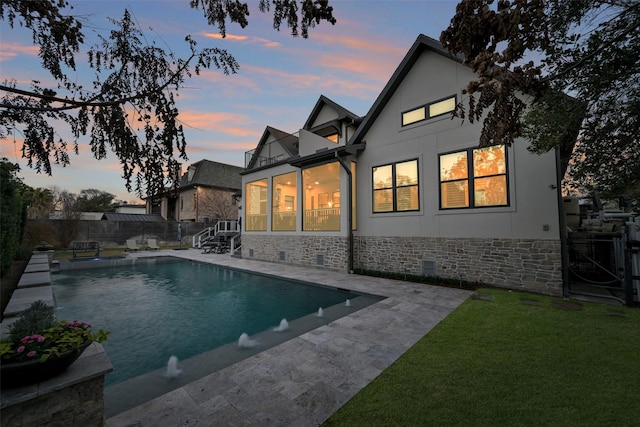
(278, 79)
(230, 83)
(202, 147)
(248, 39)
(368, 66)
(229, 123)
(361, 44)
(11, 50)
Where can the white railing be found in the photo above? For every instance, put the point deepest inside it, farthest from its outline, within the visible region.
(235, 245)
(221, 226)
(322, 219)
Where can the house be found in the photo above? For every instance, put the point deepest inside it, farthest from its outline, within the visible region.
(405, 189)
(205, 193)
(131, 209)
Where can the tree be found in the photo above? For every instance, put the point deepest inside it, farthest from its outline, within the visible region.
(217, 204)
(40, 203)
(587, 82)
(12, 213)
(93, 200)
(129, 107)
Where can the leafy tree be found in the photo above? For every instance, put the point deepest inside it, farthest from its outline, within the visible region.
(589, 49)
(12, 213)
(65, 203)
(40, 202)
(129, 107)
(93, 200)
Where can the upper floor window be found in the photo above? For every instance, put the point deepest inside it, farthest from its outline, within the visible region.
(476, 177)
(395, 187)
(429, 111)
(333, 137)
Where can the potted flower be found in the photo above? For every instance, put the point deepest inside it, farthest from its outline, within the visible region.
(39, 347)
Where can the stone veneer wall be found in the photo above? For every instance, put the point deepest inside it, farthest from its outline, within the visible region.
(300, 250)
(519, 264)
(78, 405)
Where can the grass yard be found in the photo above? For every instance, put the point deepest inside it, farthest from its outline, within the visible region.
(516, 360)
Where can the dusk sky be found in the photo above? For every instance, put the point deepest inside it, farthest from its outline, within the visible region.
(279, 81)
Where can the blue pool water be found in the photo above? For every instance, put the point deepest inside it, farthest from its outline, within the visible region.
(175, 307)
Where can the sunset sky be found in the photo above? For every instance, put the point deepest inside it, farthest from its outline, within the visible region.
(279, 81)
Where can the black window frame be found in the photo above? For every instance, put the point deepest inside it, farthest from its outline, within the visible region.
(394, 187)
(426, 110)
(471, 179)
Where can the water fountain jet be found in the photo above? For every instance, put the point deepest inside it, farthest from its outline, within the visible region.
(284, 325)
(245, 342)
(172, 368)
(320, 312)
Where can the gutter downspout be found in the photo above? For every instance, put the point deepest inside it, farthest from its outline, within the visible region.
(564, 232)
(347, 169)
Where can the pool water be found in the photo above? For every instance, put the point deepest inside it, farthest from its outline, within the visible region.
(154, 310)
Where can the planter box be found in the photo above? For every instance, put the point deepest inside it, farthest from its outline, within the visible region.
(75, 397)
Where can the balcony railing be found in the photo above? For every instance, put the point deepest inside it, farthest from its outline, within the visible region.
(269, 153)
(322, 220)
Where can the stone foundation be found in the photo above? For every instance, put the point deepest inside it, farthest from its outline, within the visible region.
(316, 251)
(519, 264)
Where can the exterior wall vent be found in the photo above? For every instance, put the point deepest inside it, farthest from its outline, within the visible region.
(428, 268)
(250, 253)
(281, 255)
(320, 260)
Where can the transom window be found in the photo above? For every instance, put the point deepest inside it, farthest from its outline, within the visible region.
(429, 111)
(395, 187)
(476, 177)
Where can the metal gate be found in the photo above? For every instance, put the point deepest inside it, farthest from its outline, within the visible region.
(605, 262)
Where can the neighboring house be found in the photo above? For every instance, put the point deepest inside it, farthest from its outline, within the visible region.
(405, 189)
(205, 194)
(131, 209)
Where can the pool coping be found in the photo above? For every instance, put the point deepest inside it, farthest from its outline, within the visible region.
(304, 380)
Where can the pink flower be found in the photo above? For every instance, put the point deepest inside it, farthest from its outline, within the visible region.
(25, 340)
(31, 353)
(20, 349)
(41, 338)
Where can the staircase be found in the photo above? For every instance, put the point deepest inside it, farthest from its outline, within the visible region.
(228, 230)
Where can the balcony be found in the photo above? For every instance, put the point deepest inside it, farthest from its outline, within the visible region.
(271, 152)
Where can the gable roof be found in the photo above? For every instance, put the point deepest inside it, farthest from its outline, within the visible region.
(288, 142)
(343, 113)
(213, 174)
(421, 44)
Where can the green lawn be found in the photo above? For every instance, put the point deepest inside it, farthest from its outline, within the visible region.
(507, 363)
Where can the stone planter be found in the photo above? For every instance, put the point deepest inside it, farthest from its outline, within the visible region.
(18, 374)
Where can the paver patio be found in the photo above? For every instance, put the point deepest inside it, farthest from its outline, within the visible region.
(306, 379)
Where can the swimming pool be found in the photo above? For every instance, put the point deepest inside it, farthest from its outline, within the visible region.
(164, 306)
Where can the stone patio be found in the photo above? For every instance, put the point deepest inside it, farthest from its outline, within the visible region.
(303, 381)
